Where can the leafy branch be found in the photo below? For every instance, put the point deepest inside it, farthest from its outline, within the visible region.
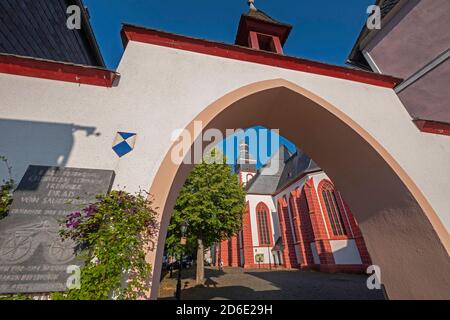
(111, 237)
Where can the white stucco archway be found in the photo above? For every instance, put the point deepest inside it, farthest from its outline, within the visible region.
(351, 122)
(404, 235)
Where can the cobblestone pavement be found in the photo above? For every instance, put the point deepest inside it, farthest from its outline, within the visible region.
(240, 284)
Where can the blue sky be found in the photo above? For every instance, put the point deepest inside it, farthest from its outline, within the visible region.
(323, 30)
(230, 146)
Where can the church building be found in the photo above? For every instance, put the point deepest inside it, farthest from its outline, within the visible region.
(294, 218)
(61, 108)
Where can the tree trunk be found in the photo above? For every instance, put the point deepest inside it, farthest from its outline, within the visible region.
(200, 262)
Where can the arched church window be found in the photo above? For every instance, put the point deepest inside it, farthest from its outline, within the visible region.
(262, 217)
(333, 211)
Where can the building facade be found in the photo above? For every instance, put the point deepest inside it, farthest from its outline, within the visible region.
(294, 218)
(350, 121)
(413, 43)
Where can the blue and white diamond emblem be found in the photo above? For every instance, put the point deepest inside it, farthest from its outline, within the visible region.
(124, 143)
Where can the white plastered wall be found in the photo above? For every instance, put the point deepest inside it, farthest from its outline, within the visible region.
(345, 252)
(162, 89)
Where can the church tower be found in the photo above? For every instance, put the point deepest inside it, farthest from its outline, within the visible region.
(260, 32)
(245, 165)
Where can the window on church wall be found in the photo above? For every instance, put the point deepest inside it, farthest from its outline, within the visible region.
(333, 211)
(262, 216)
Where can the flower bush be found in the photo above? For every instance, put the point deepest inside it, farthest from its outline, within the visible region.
(111, 237)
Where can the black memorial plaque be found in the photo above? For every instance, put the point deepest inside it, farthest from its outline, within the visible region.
(33, 258)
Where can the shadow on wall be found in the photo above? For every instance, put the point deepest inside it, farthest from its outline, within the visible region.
(276, 225)
(39, 143)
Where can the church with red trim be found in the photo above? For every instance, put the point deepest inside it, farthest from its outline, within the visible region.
(294, 218)
(62, 107)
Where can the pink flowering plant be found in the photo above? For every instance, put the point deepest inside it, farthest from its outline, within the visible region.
(112, 235)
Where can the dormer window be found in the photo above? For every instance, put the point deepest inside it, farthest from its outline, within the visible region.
(266, 43)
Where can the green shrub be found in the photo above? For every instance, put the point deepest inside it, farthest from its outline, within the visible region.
(111, 237)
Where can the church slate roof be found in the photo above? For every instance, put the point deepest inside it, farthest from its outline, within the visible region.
(290, 166)
(261, 15)
(37, 29)
(387, 6)
(263, 22)
(295, 166)
(356, 58)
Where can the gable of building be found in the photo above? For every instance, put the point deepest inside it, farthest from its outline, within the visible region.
(289, 168)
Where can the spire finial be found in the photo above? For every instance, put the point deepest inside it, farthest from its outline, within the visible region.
(251, 4)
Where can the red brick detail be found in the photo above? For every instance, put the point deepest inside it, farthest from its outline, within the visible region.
(350, 224)
(253, 40)
(303, 225)
(171, 40)
(224, 254)
(266, 266)
(319, 229)
(54, 70)
(330, 186)
(289, 256)
(357, 235)
(435, 127)
(247, 241)
(277, 44)
(234, 246)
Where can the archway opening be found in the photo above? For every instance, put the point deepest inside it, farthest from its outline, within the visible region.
(400, 227)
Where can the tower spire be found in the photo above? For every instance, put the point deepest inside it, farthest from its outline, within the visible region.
(260, 32)
(251, 4)
(244, 161)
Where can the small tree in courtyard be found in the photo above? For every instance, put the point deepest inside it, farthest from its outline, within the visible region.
(212, 202)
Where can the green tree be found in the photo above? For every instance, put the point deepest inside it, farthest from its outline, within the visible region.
(112, 235)
(212, 202)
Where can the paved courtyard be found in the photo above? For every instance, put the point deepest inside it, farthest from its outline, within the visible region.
(240, 284)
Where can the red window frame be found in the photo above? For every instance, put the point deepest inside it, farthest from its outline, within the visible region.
(263, 221)
(333, 211)
(255, 39)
